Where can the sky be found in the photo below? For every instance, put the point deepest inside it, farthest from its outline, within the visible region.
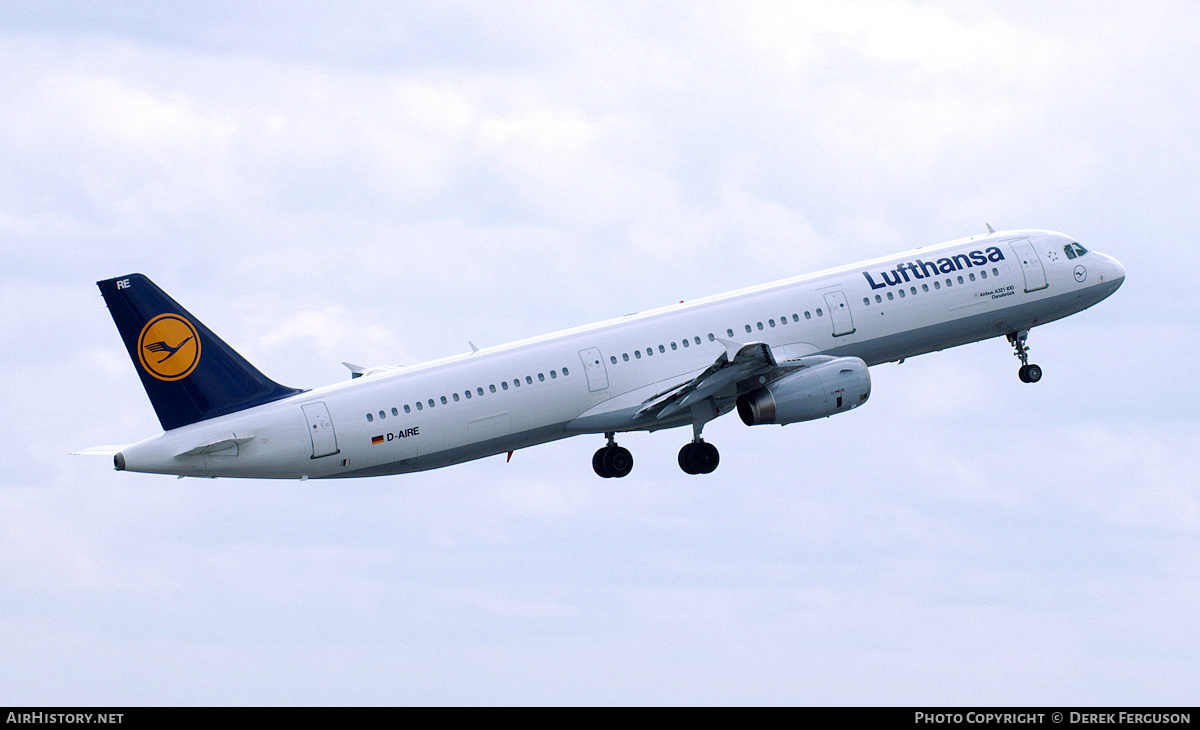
(381, 183)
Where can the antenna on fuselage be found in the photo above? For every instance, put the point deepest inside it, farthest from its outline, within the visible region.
(990, 229)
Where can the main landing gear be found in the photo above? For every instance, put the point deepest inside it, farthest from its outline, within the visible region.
(1028, 373)
(612, 460)
(699, 457)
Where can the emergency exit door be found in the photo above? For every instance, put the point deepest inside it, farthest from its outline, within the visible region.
(839, 312)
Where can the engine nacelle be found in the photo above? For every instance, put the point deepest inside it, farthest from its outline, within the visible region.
(814, 392)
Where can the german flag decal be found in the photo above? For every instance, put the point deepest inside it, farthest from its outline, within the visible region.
(376, 440)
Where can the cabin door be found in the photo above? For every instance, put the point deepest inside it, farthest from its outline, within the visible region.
(1031, 265)
(320, 430)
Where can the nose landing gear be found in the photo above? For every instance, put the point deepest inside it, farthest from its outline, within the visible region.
(1028, 373)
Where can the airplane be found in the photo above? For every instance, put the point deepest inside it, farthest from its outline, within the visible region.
(790, 351)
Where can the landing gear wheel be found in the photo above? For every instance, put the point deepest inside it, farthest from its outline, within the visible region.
(1027, 373)
(612, 461)
(598, 462)
(685, 458)
(618, 462)
(699, 457)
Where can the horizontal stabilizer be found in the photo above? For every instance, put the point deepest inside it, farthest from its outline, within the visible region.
(110, 450)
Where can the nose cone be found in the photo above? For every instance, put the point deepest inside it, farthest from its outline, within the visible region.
(1114, 273)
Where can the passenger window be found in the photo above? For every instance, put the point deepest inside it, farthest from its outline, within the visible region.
(925, 287)
(431, 403)
(729, 333)
(541, 378)
(748, 329)
(782, 320)
(795, 318)
(419, 406)
(808, 315)
(890, 297)
(867, 301)
(443, 400)
(492, 388)
(625, 356)
(937, 285)
(662, 349)
(382, 415)
(913, 289)
(982, 274)
(712, 337)
(395, 412)
(972, 276)
(771, 322)
(528, 380)
(565, 373)
(637, 354)
(686, 343)
(516, 382)
(407, 409)
(960, 280)
(820, 313)
(760, 326)
(503, 385)
(697, 340)
(949, 283)
(878, 299)
(480, 390)
(649, 351)
(901, 293)
(553, 374)
(614, 359)
(674, 346)
(370, 418)
(995, 272)
(455, 396)
(467, 393)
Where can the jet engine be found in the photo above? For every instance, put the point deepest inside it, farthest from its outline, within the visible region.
(814, 392)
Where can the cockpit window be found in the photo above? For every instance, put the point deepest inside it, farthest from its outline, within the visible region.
(1074, 249)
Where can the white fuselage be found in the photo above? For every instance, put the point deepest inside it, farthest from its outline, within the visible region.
(590, 379)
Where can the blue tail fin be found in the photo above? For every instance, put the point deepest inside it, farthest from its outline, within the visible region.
(189, 373)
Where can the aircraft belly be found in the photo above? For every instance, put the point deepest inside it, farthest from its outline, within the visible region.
(970, 328)
(467, 452)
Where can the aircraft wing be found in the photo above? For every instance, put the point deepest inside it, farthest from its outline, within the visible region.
(738, 363)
